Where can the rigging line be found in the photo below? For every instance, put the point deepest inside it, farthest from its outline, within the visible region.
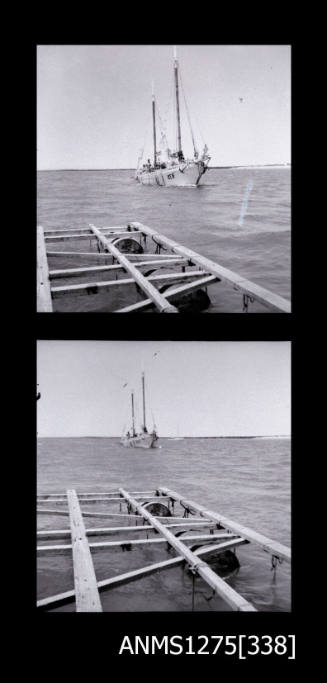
(188, 115)
(145, 140)
(168, 108)
(199, 129)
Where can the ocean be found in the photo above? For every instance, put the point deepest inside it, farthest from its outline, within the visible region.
(208, 219)
(246, 480)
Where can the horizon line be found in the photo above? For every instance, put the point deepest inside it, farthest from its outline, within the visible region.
(221, 436)
(132, 168)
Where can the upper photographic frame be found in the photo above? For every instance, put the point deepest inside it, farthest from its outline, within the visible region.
(113, 238)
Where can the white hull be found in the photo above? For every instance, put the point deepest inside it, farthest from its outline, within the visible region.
(183, 174)
(139, 441)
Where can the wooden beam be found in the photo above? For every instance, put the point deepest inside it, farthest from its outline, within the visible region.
(86, 513)
(86, 589)
(82, 236)
(70, 236)
(105, 531)
(161, 303)
(99, 287)
(273, 547)
(69, 596)
(62, 231)
(236, 601)
(45, 549)
(171, 294)
(80, 254)
(115, 494)
(43, 294)
(106, 499)
(88, 270)
(267, 298)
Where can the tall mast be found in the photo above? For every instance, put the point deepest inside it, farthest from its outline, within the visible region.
(143, 391)
(133, 425)
(154, 128)
(179, 137)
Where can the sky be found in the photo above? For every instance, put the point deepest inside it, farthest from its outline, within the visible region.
(94, 103)
(192, 388)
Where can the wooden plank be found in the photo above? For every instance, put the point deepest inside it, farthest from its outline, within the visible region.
(94, 493)
(99, 287)
(86, 589)
(107, 500)
(43, 292)
(123, 233)
(78, 254)
(69, 596)
(171, 294)
(161, 303)
(71, 236)
(86, 513)
(267, 298)
(104, 531)
(113, 228)
(60, 231)
(45, 549)
(87, 270)
(236, 601)
(82, 236)
(276, 549)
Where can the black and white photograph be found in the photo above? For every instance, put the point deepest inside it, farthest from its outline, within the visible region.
(164, 178)
(163, 476)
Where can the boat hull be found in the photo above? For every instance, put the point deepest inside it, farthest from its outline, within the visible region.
(183, 175)
(140, 441)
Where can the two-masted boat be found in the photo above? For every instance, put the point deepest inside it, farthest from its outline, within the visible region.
(172, 168)
(142, 439)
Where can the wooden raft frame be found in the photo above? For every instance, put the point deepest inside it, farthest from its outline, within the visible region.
(189, 270)
(217, 533)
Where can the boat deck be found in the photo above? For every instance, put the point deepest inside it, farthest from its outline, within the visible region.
(117, 273)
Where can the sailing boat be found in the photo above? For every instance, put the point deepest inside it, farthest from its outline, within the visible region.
(176, 170)
(144, 439)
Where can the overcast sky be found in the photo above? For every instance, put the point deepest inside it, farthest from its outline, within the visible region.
(94, 102)
(192, 388)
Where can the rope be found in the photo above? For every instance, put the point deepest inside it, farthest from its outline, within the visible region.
(189, 118)
(193, 591)
(193, 568)
(275, 560)
(159, 246)
(144, 143)
(246, 300)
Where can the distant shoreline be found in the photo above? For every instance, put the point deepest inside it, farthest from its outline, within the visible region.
(55, 170)
(272, 436)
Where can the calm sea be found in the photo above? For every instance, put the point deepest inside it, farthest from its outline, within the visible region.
(247, 480)
(206, 219)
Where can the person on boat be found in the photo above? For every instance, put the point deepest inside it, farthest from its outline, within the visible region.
(128, 435)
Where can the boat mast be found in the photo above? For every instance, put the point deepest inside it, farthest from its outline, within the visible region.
(154, 128)
(143, 391)
(133, 425)
(179, 137)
